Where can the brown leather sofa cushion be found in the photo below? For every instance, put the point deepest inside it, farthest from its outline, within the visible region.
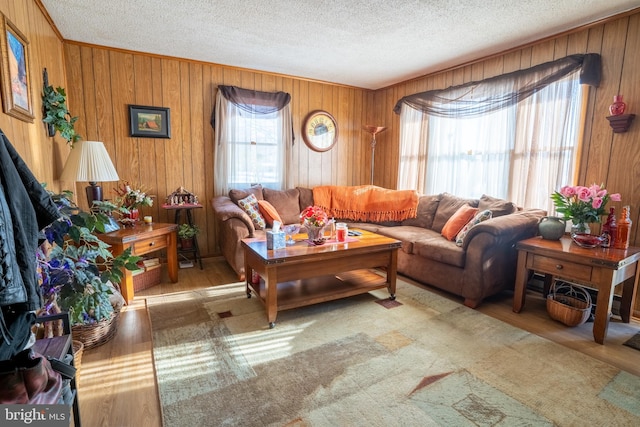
(427, 206)
(448, 205)
(286, 202)
(237, 195)
(498, 207)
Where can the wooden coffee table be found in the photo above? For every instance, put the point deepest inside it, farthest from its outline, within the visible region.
(599, 268)
(303, 274)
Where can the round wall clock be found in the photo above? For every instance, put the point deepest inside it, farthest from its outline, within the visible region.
(320, 131)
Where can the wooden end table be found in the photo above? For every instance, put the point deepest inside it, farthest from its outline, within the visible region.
(144, 239)
(303, 274)
(600, 268)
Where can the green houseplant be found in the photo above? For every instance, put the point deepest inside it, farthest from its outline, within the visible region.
(76, 267)
(186, 234)
(186, 231)
(57, 115)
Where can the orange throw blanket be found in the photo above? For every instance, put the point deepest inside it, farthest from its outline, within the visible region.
(367, 203)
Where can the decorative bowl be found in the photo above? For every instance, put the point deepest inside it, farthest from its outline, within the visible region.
(586, 240)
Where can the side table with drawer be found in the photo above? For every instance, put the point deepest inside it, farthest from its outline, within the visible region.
(600, 268)
(143, 239)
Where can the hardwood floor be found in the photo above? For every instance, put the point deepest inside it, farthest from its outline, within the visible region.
(117, 385)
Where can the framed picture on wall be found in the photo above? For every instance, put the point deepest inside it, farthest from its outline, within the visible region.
(16, 79)
(149, 122)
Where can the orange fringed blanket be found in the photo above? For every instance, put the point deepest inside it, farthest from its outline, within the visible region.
(367, 203)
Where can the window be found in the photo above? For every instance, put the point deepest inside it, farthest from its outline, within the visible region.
(253, 136)
(502, 137)
(256, 152)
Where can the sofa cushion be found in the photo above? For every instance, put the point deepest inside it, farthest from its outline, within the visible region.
(250, 205)
(237, 195)
(458, 220)
(269, 213)
(447, 206)
(477, 219)
(407, 234)
(306, 197)
(498, 207)
(286, 202)
(427, 206)
(439, 249)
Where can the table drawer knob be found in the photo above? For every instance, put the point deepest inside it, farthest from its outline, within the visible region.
(559, 266)
(152, 243)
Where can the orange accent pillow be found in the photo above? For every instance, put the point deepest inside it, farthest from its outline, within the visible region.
(457, 221)
(269, 213)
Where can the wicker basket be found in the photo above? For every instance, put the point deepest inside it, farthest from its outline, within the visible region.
(78, 349)
(98, 333)
(569, 304)
(150, 277)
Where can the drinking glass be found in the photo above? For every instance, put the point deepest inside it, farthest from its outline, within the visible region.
(289, 231)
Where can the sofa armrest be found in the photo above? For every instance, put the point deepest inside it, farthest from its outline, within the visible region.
(508, 228)
(225, 210)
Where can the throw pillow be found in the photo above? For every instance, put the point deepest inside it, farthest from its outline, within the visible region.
(458, 221)
(497, 206)
(250, 205)
(447, 206)
(286, 202)
(237, 195)
(480, 216)
(269, 213)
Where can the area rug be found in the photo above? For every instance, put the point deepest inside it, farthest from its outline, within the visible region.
(633, 342)
(422, 361)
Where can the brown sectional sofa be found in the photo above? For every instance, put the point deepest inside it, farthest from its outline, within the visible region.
(482, 266)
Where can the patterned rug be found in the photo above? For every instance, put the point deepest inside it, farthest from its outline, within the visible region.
(633, 342)
(422, 361)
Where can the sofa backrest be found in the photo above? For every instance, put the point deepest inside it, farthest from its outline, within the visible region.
(427, 206)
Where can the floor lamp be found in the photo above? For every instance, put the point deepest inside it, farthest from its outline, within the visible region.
(89, 162)
(373, 130)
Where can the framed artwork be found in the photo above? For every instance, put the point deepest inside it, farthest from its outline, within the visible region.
(149, 122)
(16, 79)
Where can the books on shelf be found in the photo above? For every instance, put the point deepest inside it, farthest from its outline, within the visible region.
(151, 262)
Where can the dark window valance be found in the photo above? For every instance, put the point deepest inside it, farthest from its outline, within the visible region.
(253, 101)
(477, 98)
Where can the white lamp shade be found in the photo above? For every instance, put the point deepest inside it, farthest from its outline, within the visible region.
(89, 162)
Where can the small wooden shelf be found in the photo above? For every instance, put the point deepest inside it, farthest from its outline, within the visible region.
(300, 293)
(621, 123)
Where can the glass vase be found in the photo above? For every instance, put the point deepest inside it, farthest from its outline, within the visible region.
(580, 228)
(314, 233)
(618, 107)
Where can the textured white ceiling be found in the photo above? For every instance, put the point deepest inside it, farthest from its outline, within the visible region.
(363, 43)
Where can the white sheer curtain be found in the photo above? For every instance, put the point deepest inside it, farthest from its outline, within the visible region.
(546, 145)
(522, 152)
(251, 148)
(413, 150)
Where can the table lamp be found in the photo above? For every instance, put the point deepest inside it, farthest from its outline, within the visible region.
(89, 162)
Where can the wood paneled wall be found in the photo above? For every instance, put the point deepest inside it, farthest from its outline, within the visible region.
(43, 155)
(607, 157)
(103, 82)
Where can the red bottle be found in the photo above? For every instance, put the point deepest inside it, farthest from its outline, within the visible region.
(609, 230)
(624, 229)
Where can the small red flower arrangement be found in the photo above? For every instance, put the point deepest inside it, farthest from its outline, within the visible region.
(314, 216)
